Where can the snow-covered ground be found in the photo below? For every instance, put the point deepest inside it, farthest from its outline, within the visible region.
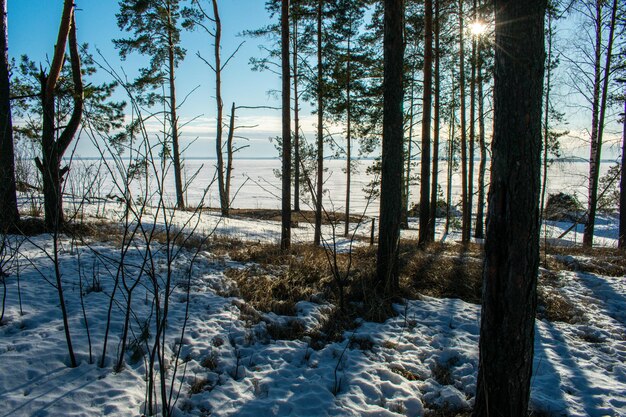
(229, 365)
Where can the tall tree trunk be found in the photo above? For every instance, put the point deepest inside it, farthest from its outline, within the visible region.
(285, 237)
(178, 176)
(296, 116)
(220, 111)
(465, 228)
(348, 135)
(546, 119)
(472, 135)
(392, 148)
(451, 130)
(512, 244)
(596, 140)
(406, 190)
(320, 131)
(425, 218)
(482, 167)
(437, 79)
(621, 243)
(9, 215)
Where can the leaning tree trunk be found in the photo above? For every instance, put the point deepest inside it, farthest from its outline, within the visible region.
(596, 140)
(392, 149)
(285, 238)
(512, 243)
(9, 215)
(425, 218)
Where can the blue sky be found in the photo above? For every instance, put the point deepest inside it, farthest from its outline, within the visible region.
(33, 26)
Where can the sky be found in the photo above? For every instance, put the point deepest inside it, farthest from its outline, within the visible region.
(33, 27)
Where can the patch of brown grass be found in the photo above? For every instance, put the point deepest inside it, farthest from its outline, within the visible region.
(602, 261)
(444, 271)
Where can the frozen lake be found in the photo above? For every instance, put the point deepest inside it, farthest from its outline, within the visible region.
(255, 183)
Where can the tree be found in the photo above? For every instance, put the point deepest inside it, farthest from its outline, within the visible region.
(437, 119)
(392, 148)
(54, 145)
(425, 229)
(9, 215)
(317, 236)
(285, 238)
(599, 106)
(156, 33)
(466, 209)
(622, 194)
(512, 238)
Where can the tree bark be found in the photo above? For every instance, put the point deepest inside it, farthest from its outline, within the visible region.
(296, 117)
(621, 243)
(317, 237)
(472, 133)
(285, 238)
(425, 218)
(9, 214)
(465, 228)
(479, 231)
(436, 129)
(596, 140)
(229, 152)
(220, 112)
(178, 178)
(348, 137)
(392, 148)
(512, 242)
(52, 148)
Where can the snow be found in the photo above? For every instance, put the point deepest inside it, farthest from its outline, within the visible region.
(229, 365)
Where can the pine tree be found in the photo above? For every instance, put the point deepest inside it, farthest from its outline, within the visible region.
(512, 239)
(155, 32)
(9, 215)
(392, 158)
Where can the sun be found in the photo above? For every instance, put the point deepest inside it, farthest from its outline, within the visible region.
(477, 28)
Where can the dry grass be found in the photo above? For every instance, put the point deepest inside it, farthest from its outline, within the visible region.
(599, 260)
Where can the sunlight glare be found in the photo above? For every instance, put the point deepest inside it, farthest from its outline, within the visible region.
(477, 28)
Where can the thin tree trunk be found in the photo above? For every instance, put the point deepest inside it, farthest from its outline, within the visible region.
(425, 218)
(512, 243)
(229, 153)
(220, 111)
(451, 131)
(285, 238)
(596, 143)
(472, 135)
(465, 236)
(9, 215)
(348, 138)
(296, 117)
(622, 187)
(480, 209)
(320, 131)
(546, 120)
(392, 149)
(435, 178)
(178, 177)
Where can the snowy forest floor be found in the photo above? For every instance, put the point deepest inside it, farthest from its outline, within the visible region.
(253, 332)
